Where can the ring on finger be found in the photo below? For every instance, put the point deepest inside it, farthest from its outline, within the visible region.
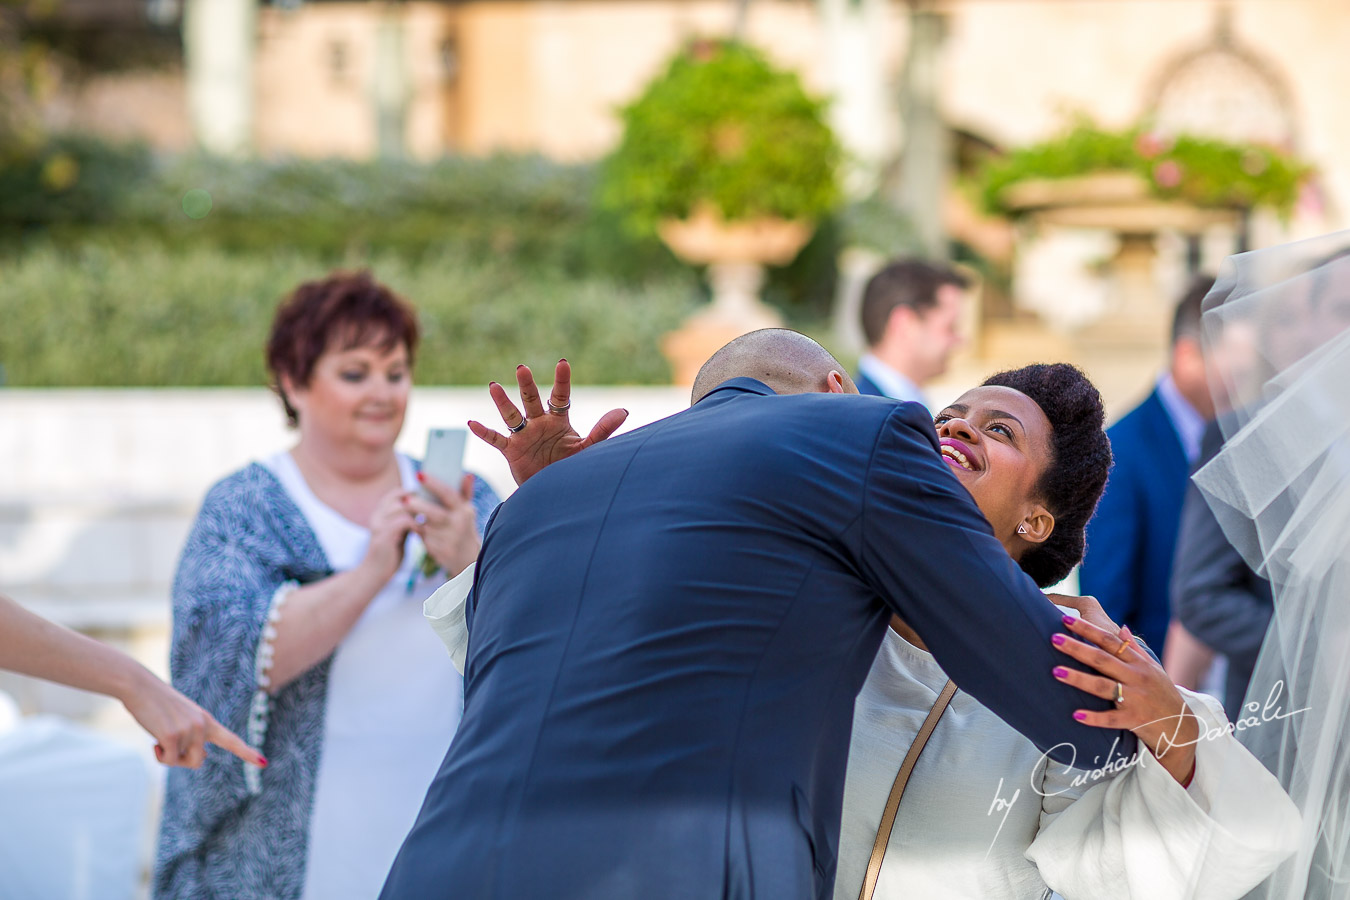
(1120, 694)
(558, 410)
(517, 429)
(1120, 651)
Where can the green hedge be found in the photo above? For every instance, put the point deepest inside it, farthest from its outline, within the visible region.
(144, 315)
(74, 189)
(105, 279)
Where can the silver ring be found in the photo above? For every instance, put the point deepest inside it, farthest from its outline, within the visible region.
(559, 410)
(517, 429)
(1120, 694)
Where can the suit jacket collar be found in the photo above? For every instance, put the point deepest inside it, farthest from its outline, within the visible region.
(867, 386)
(888, 382)
(733, 386)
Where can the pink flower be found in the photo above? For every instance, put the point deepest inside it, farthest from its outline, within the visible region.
(1150, 144)
(1167, 173)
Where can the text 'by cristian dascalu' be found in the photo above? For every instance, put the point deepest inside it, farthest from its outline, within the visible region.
(1255, 714)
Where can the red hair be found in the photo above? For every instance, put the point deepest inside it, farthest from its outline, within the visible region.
(342, 311)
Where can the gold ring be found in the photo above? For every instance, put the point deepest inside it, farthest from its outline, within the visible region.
(1120, 651)
(1120, 693)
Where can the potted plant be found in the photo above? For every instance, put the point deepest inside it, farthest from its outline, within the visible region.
(730, 162)
(1094, 169)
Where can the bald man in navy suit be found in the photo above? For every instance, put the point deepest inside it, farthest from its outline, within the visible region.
(668, 631)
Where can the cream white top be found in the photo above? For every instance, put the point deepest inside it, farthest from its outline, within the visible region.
(394, 701)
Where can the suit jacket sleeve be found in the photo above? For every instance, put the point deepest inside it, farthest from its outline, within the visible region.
(1110, 570)
(932, 557)
(1215, 594)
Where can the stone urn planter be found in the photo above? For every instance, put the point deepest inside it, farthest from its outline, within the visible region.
(735, 253)
(728, 160)
(1116, 201)
(1122, 203)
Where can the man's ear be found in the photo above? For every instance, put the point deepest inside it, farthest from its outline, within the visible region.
(1037, 527)
(838, 383)
(901, 321)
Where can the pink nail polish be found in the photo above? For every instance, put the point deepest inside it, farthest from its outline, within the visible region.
(421, 476)
(1069, 620)
(262, 762)
(1080, 715)
(1058, 640)
(1060, 671)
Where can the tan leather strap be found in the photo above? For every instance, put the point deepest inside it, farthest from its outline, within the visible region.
(869, 884)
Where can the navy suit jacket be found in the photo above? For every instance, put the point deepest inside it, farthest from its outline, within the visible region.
(667, 635)
(1132, 538)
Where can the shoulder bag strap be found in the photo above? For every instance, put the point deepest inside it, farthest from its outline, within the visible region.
(869, 884)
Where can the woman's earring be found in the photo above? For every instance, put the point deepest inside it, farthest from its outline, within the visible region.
(1021, 529)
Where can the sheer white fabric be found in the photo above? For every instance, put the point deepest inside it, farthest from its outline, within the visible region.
(1277, 323)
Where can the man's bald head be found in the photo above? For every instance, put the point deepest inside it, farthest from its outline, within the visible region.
(785, 360)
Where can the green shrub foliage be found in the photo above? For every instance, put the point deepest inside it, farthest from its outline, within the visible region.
(724, 126)
(146, 316)
(106, 280)
(1202, 171)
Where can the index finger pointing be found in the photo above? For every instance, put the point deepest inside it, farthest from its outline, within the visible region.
(227, 740)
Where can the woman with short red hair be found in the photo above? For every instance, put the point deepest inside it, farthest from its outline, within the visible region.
(297, 611)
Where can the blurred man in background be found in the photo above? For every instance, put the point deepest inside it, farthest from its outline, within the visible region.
(911, 315)
(1132, 538)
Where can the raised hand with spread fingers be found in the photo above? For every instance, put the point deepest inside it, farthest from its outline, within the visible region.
(539, 437)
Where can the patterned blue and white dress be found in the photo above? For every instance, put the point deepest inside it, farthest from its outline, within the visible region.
(228, 830)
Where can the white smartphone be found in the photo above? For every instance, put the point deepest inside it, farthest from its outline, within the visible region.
(445, 457)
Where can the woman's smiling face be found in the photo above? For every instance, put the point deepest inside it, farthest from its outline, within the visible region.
(997, 442)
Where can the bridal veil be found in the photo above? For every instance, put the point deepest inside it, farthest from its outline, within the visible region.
(1277, 333)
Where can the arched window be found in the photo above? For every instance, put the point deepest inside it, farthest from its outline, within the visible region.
(1224, 90)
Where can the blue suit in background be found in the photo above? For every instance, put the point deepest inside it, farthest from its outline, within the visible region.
(1132, 538)
(667, 634)
(867, 387)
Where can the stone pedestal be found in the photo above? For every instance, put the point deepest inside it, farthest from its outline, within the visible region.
(735, 254)
(1138, 312)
